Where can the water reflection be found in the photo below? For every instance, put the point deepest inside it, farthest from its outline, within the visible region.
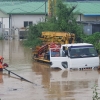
(44, 70)
(14, 52)
(67, 84)
(74, 83)
(1, 77)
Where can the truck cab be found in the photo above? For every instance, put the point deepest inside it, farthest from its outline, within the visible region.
(72, 56)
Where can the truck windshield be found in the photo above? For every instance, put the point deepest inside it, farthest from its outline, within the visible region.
(82, 52)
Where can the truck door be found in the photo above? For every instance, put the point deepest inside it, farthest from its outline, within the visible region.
(57, 59)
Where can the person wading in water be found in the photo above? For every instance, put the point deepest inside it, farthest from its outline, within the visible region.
(2, 65)
(1, 69)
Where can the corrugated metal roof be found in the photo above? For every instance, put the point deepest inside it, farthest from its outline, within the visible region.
(25, 8)
(88, 8)
(9, 3)
(85, 8)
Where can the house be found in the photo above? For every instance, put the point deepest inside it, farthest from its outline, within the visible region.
(88, 15)
(17, 15)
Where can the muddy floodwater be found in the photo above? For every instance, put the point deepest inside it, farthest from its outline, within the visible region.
(48, 84)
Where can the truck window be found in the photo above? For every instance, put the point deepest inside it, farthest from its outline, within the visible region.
(81, 52)
(55, 53)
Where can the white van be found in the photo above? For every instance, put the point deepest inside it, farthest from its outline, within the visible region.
(71, 56)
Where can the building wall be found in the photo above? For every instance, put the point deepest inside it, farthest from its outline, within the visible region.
(4, 25)
(90, 18)
(18, 20)
(5, 22)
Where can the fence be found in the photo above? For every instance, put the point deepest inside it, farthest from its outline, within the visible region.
(7, 33)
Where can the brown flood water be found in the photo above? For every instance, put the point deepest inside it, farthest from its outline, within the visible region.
(48, 84)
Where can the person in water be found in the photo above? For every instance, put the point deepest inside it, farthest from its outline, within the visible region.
(1, 64)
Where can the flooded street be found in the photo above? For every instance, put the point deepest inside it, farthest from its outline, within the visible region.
(48, 84)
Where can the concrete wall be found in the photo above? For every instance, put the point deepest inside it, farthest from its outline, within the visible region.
(18, 20)
(5, 22)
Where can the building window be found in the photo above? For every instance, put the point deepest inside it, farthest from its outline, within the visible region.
(27, 23)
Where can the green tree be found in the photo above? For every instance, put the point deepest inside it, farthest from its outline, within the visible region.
(66, 20)
(93, 39)
(62, 20)
(33, 36)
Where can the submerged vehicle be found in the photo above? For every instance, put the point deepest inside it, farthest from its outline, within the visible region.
(51, 40)
(61, 52)
(74, 56)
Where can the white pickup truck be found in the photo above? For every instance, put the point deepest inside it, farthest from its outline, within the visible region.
(71, 56)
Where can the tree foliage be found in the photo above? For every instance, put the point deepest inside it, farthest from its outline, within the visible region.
(93, 39)
(66, 20)
(33, 36)
(62, 20)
